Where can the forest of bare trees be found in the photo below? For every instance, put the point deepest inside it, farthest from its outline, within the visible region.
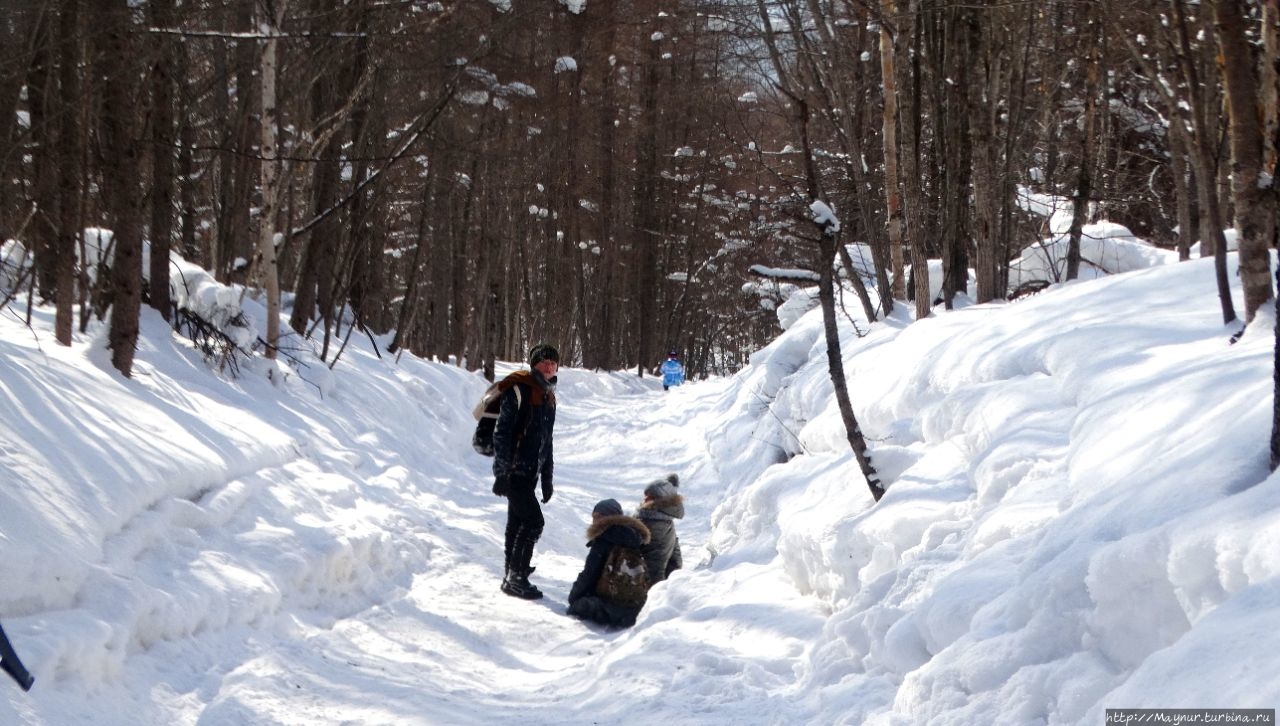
(478, 175)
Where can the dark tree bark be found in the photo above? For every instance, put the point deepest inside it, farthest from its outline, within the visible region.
(909, 126)
(1275, 388)
(1211, 237)
(1178, 145)
(894, 221)
(18, 38)
(1254, 201)
(835, 365)
(161, 15)
(1088, 144)
(947, 39)
(983, 144)
(42, 100)
(121, 162)
(70, 170)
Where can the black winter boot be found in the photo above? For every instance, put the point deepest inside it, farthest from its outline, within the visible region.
(516, 584)
(506, 575)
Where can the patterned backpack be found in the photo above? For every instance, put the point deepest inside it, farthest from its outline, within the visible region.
(624, 579)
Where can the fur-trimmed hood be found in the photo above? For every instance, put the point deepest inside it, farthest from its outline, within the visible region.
(619, 529)
(671, 507)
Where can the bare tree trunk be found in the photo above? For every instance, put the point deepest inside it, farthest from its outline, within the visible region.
(162, 162)
(827, 246)
(16, 37)
(1254, 202)
(1269, 80)
(70, 170)
(892, 183)
(1275, 388)
(121, 178)
(267, 268)
(909, 160)
(859, 286)
(645, 222)
(1088, 143)
(946, 37)
(835, 364)
(316, 268)
(982, 124)
(409, 302)
(42, 100)
(188, 213)
(1206, 179)
(1178, 147)
(234, 243)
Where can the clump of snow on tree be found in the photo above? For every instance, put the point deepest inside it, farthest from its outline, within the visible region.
(824, 217)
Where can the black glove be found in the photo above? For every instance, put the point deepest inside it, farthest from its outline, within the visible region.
(501, 485)
(547, 490)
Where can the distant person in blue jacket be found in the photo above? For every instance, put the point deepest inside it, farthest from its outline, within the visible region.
(672, 371)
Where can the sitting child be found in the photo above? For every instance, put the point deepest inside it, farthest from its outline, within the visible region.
(662, 505)
(613, 583)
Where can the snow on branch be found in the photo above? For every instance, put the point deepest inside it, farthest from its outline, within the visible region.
(824, 217)
(784, 275)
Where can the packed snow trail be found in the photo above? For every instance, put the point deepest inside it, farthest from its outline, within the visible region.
(322, 547)
(273, 556)
(452, 646)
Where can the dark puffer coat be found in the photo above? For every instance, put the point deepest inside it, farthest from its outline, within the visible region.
(662, 555)
(603, 535)
(525, 451)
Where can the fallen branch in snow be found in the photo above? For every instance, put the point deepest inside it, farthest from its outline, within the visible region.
(1029, 288)
(216, 345)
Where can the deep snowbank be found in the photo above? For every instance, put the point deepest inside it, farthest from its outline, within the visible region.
(1080, 514)
(1079, 517)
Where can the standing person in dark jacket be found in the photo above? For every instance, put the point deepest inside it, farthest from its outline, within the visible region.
(662, 505)
(522, 444)
(609, 528)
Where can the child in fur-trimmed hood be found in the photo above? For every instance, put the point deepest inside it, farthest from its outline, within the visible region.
(609, 528)
(662, 505)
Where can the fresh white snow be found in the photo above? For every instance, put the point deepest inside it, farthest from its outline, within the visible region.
(1079, 517)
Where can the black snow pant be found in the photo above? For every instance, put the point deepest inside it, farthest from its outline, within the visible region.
(605, 612)
(524, 524)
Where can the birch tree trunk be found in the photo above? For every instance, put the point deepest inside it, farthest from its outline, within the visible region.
(267, 263)
(892, 184)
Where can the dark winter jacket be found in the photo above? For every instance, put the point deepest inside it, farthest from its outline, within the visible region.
(602, 536)
(522, 447)
(662, 555)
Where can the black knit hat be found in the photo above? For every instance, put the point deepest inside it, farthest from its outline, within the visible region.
(607, 508)
(541, 352)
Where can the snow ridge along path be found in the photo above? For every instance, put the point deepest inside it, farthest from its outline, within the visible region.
(301, 553)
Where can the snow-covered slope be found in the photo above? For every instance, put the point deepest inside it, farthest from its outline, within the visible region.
(1080, 517)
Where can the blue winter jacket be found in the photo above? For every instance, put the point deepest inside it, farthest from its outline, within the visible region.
(672, 372)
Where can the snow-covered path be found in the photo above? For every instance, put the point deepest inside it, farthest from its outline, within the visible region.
(1080, 518)
(449, 645)
(288, 558)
